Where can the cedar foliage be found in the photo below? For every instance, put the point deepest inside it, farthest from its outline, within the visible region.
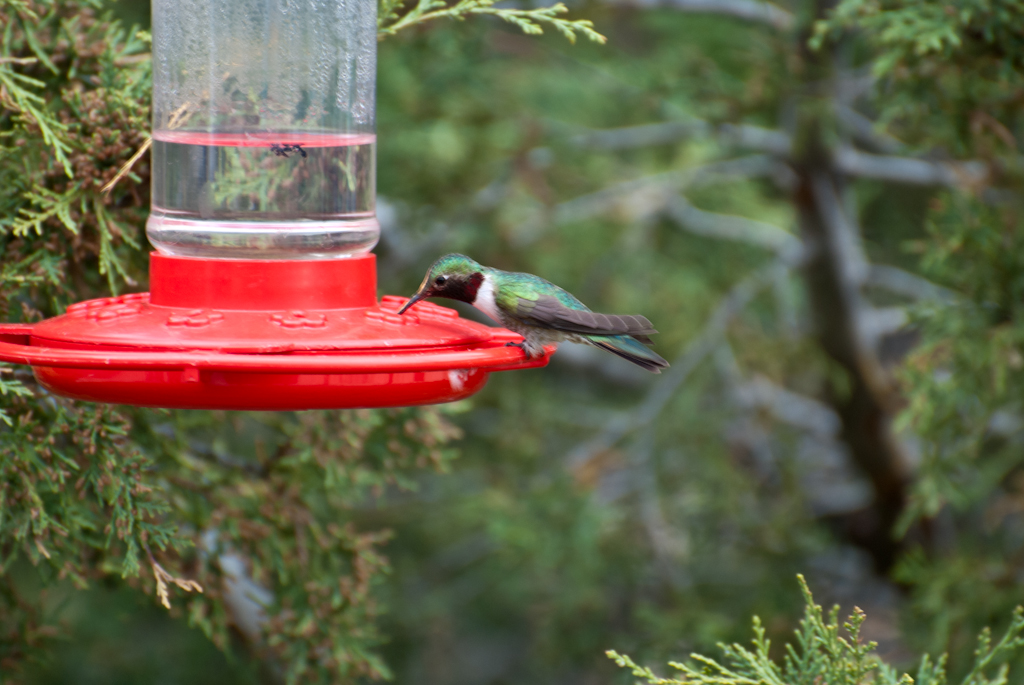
(152, 496)
(951, 82)
(827, 651)
(668, 537)
(91, 490)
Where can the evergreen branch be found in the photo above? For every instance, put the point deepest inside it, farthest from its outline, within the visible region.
(15, 95)
(531, 21)
(38, 267)
(822, 655)
(22, 7)
(35, 47)
(13, 388)
(623, 661)
(163, 578)
(51, 205)
(59, 205)
(110, 263)
(985, 653)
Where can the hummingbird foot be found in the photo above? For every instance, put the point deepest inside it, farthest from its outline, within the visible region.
(529, 351)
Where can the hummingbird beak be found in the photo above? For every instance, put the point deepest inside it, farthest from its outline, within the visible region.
(413, 300)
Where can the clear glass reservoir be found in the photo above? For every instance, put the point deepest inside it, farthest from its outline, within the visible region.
(263, 128)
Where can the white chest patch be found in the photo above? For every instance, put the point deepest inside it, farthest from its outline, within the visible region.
(485, 299)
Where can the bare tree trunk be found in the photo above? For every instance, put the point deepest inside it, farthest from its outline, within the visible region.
(835, 273)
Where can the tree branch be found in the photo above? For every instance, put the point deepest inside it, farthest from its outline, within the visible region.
(733, 135)
(729, 227)
(25, 61)
(755, 138)
(830, 487)
(647, 135)
(849, 160)
(879, 322)
(864, 133)
(909, 170)
(650, 194)
(907, 284)
(403, 247)
(671, 545)
(245, 600)
(802, 412)
(749, 10)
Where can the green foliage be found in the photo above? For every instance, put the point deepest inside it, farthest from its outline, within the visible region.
(89, 497)
(949, 82)
(391, 20)
(951, 72)
(287, 509)
(70, 478)
(523, 563)
(966, 379)
(77, 495)
(822, 654)
(522, 554)
(93, 492)
(74, 110)
(506, 163)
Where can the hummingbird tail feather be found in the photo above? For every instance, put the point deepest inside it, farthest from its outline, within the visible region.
(630, 350)
(646, 340)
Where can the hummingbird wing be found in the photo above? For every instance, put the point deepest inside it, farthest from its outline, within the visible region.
(536, 302)
(549, 311)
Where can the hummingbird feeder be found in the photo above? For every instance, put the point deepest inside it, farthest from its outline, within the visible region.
(263, 287)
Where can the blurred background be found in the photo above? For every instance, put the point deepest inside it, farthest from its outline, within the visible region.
(828, 241)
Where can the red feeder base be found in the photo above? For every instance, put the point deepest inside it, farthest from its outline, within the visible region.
(260, 334)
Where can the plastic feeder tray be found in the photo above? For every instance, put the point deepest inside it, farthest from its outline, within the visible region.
(261, 334)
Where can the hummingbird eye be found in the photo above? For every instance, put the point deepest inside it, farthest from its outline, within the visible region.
(440, 280)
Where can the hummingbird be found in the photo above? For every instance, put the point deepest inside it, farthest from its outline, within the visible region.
(538, 310)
